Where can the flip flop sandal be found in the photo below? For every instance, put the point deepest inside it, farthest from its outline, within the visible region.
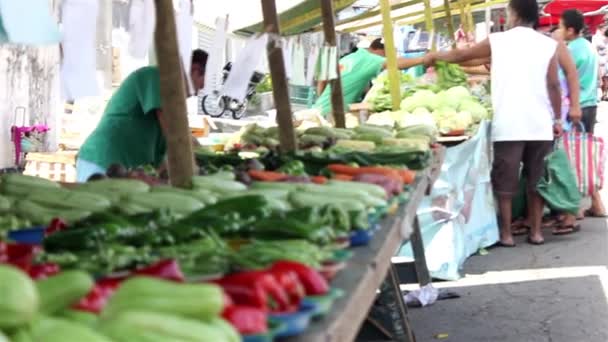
(535, 243)
(567, 229)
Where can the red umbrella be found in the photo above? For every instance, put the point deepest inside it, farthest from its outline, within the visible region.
(594, 11)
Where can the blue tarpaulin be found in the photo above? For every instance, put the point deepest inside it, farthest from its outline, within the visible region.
(459, 217)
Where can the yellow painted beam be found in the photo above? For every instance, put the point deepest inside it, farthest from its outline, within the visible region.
(391, 54)
(448, 16)
(306, 17)
(374, 13)
(421, 19)
(453, 5)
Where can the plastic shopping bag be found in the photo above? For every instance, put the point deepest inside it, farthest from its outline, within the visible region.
(559, 186)
(587, 157)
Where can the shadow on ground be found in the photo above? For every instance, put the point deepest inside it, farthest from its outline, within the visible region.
(557, 292)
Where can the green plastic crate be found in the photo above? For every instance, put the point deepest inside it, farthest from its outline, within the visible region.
(302, 95)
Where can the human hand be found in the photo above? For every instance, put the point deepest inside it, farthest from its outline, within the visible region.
(430, 59)
(575, 114)
(558, 129)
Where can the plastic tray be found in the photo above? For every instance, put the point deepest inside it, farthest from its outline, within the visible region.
(30, 236)
(323, 304)
(275, 327)
(294, 323)
(361, 237)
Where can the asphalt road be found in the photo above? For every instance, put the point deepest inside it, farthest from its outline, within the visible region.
(557, 292)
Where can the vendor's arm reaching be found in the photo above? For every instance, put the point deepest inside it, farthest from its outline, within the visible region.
(478, 52)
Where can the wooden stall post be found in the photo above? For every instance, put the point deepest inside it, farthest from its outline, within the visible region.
(173, 94)
(448, 17)
(280, 91)
(337, 100)
(391, 54)
(428, 19)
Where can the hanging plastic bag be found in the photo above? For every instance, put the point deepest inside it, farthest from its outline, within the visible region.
(558, 187)
(587, 157)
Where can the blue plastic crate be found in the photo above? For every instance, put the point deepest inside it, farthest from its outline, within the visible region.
(30, 236)
(302, 95)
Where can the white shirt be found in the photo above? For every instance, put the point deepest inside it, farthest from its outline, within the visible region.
(522, 109)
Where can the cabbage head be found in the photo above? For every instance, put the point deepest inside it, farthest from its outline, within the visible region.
(446, 100)
(476, 109)
(459, 92)
(421, 98)
(421, 111)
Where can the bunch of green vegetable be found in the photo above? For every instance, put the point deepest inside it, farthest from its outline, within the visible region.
(450, 75)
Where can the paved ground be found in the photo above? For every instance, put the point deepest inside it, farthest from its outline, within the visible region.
(554, 293)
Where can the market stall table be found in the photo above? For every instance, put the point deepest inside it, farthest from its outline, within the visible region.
(370, 265)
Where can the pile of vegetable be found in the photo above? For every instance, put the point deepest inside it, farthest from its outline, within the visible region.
(450, 75)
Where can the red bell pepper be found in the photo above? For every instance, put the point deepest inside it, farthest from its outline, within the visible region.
(261, 281)
(165, 269)
(311, 279)
(247, 320)
(97, 298)
(42, 271)
(290, 281)
(3, 252)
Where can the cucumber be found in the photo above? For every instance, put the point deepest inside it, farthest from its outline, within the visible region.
(346, 193)
(321, 131)
(121, 186)
(307, 199)
(82, 317)
(49, 329)
(374, 130)
(18, 184)
(204, 196)
(177, 203)
(142, 326)
(19, 299)
(276, 186)
(5, 203)
(62, 290)
(66, 199)
(225, 175)
(217, 185)
(372, 189)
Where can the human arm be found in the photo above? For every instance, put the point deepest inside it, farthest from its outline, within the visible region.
(479, 51)
(554, 90)
(566, 62)
(321, 87)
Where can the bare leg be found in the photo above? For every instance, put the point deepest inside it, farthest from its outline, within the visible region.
(535, 214)
(597, 206)
(505, 213)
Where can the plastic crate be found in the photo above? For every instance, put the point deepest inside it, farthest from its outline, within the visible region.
(302, 95)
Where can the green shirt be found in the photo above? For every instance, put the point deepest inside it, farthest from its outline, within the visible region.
(129, 132)
(587, 65)
(356, 71)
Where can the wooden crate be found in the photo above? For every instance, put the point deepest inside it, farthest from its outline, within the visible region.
(56, 166)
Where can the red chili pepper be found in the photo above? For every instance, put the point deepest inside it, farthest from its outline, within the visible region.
(21, 255)
(97, 298)
(311, 279)
(253, 296)
(165, 269)
(55, 226)
(42, 271)
(247, 320)
(277, 297)
(290, 281)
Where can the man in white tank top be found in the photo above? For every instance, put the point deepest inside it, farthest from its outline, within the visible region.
(526, 99)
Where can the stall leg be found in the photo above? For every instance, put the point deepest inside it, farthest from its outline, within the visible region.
(388, 319)
(424, 277)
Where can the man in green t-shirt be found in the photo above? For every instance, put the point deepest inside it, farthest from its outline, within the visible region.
(131, 132)
(587, 64)
(357, 70)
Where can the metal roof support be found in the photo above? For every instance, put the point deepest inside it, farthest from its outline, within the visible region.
(337, 100)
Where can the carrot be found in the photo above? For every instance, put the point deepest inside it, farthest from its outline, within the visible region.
(407, 176)
(267, 176)
(319, 180)
(343, 177)
(343, 169)
(379, 170)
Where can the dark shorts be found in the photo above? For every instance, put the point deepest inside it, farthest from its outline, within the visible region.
(589, 118)
(508, 157)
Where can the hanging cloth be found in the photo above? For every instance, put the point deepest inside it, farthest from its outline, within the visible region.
(142, 20)
(244, 66)
(78, 67)
(28, 22)
(287, 56)
(185, 22)
(311, 65)
(215, 62)
(298, 65)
